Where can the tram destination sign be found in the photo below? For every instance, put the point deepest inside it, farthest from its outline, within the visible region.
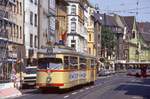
(49, 50)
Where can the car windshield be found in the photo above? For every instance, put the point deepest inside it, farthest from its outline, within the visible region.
(31, 71)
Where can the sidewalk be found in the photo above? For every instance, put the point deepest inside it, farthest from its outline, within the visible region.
(7, 90)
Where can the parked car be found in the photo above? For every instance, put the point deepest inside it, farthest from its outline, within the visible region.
(112, 72)
(104, 72)
(29, 77)
(133, 72)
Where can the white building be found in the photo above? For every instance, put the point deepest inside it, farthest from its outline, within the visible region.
(77, 34)
(31, 27)
(46, 29)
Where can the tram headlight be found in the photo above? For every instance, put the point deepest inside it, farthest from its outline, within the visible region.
(49, 79)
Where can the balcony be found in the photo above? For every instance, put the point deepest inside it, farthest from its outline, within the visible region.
(12, 2)
(5, 2)
(77, 1)
(3, 33)
(3, 14)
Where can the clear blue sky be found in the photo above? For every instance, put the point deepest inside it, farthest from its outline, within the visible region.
(125, 7)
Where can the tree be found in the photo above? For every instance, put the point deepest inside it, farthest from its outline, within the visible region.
(108, 41)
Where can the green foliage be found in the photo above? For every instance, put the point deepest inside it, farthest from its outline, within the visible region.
(108, 40)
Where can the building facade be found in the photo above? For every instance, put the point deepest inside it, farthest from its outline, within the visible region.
(31, 27)
(97, 33)
(12, 35)
(77, 38)
(46, 29)
(91, 34)
(61, 21)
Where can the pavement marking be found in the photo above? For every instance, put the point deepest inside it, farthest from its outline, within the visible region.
(74, 93)
(92, 86)
(144, 85)
(99, 84)
(66, 96)
(133, 80)
(81, 90)
(87, 88)
(136, 97)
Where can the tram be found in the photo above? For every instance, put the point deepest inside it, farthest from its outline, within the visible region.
(65, 69)
(138, 69)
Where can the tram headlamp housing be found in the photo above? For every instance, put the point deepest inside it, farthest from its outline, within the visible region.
(49, 79)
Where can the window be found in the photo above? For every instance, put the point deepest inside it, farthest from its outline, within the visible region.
(17, 7)
(20, 32)
(31, 40)
(35, 41)
(73, 26)
(89, 50)
(31, 1)
(20, 8)
(35, 20)
(66, 62)
(14, 30)
(17, 31)
(89, 37)
(50, 63)
(92, 63)
(35, 2)
(73, 43)
(133, 34)
(73, 62)
(73, 10)
(31, 18)
(14, 9)
(83, 63)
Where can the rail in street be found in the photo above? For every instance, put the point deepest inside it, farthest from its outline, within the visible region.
(118, 86)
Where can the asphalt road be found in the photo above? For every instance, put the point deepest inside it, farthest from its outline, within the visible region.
(118, 86)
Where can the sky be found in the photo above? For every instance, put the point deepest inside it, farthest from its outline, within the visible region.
(125, 7)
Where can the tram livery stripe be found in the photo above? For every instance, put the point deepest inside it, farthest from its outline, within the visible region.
(58, 70)
(52, 84)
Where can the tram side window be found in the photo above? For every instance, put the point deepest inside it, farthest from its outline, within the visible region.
(66, 62)
(73, 62)
(83, 62)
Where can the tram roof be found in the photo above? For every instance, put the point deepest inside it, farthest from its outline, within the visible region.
(60, 50)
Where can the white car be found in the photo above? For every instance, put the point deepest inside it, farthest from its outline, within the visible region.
(30, 76)
(104, 72)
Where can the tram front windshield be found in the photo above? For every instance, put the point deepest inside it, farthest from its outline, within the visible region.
(50, 63)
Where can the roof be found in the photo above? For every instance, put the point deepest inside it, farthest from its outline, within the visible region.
(108, 20)
(97, 17)
(146, 36)
(129, 20)
(144, 26)
(144, 29)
